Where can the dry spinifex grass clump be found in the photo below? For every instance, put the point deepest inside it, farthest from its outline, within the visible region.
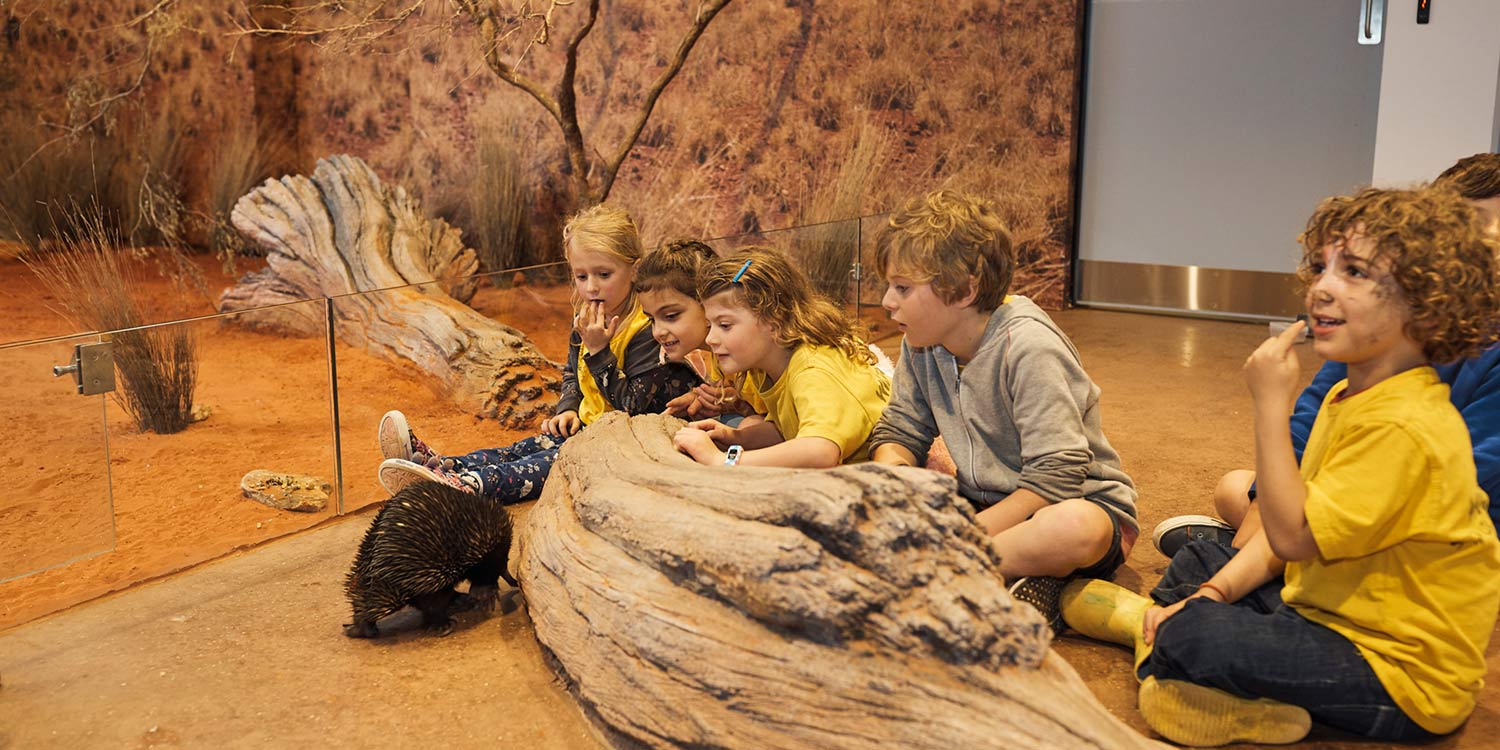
(829, 241)
(156, 366)
(497, 211)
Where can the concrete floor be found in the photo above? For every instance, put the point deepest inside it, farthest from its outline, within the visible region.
(247, 651)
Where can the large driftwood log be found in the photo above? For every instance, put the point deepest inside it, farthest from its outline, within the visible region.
(342, 232)
(711, 607)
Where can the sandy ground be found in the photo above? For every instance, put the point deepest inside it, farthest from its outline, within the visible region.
(174, 499)
(96, 510)
(1175, 407)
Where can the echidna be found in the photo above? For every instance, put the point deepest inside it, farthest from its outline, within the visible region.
(427, 538)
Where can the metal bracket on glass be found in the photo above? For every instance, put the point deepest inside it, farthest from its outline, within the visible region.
(93, 368)
(1371, 21)
(857, 271)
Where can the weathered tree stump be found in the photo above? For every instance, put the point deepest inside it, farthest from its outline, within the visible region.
(341, 231)
(712, 607)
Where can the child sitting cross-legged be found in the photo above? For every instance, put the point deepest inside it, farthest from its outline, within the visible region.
(1006, 390)
(1473, 387)
(799, 354)
(613, 363)
(1392, 568)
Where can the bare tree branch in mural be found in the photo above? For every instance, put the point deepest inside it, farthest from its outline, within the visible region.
(88, 105)
(564, 107)
(497, 26)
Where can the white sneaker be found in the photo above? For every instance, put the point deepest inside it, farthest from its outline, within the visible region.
(397, 474)
(395, 436)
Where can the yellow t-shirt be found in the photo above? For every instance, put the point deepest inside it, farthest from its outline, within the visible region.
(594, 404)
(824, 394)
(1409, 567)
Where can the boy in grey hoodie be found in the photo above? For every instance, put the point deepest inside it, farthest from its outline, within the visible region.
(1003, 386)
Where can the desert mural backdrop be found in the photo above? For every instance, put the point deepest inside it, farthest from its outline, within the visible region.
(131, 129)
(783, 113)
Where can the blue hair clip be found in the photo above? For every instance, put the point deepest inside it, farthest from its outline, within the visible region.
(741, 272)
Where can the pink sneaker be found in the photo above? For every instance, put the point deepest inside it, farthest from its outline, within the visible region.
(398, 473)
(398, 441)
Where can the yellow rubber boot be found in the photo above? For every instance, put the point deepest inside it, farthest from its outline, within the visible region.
(1106, 612)
(1199, 716)
(1103, 611)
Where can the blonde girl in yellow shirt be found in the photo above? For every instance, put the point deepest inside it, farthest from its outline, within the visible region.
(613, 363)
(803, 358)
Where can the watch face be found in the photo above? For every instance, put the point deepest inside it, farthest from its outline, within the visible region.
(732, 456)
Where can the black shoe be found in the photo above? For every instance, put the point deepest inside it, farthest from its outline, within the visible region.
(1044, 593)
(1174, 533)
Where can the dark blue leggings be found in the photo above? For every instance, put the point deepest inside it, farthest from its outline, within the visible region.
(513, 473)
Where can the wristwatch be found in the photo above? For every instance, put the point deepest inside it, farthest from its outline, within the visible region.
(732, 456)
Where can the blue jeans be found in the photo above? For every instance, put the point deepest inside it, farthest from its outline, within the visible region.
(1258, 647)
(512, 473)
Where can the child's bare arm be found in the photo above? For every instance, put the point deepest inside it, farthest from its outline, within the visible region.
(894, 454)
(756, 434)
(705, 439)
(798, 453)
(1253, 566)
(1271, 372)
(1015, 508)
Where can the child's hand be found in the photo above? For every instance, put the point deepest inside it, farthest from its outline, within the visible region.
(721, 394)
(721, 434)
(713, 399)
(1155, 616)
(593, 329)
(1271, 370)
(562, 425)
(682, 405)
(698, 444)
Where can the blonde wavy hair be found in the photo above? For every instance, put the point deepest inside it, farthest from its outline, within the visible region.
(1442, 263)
(781, 296)
(944, 237)
(603, 229)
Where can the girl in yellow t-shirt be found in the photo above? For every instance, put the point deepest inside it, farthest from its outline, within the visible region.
(666, 283)
(612, 364)
(817, 380)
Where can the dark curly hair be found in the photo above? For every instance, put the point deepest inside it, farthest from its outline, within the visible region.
(781, 296)
(1475, 177)
(1441, 261)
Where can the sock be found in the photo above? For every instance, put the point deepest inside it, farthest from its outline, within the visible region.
(1190, 714)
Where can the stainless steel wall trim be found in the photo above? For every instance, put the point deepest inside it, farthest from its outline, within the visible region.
(1188, 290)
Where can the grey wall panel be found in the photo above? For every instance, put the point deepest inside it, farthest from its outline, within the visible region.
(1213, 127)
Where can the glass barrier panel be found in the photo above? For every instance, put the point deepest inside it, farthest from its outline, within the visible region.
(54, 463)
(825, 252)
(870, 289)
(261, 403)
(435, 367)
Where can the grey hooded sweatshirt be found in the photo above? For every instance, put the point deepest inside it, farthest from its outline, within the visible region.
(1022, 413)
